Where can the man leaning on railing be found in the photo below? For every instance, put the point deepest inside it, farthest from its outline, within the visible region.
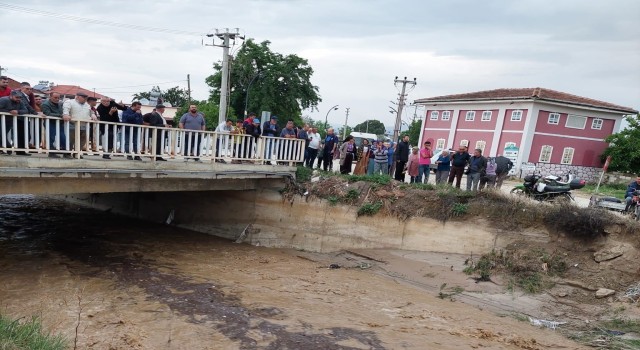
(79, 113)
(13, 105)
(53, 108)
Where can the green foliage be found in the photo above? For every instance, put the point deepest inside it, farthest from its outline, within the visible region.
(303, 173)
(282, 87)
(176, 96)
(370, 126)
(352, 195)
(342, 134)
(369, 209)
(28, 334)
(421, 186)
(414, 132)
(333, 200)
(459, 209)
(624, 149)
(318, 124)
(613, 190)
(377, 179)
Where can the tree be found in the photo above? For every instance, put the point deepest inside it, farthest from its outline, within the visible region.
(176, 96)
(624, 148)
(342, 134)
(414, 132)
(371, 126)
(318, 124)
(279, 84)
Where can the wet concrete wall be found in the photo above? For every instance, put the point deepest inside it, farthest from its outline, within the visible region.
(308, 224)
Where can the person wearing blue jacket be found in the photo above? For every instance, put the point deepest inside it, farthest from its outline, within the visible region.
(132, 115)
(628, 196)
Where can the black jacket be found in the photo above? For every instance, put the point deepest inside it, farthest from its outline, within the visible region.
(253, 130)
(8, 105)
(103, 112)
(267, 131)
(153, 118)
(25, 101)
(403, 151)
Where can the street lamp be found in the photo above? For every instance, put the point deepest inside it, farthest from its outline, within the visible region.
(334, 108)
(246, 100)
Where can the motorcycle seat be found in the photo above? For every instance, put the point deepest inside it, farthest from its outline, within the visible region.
(550, 188)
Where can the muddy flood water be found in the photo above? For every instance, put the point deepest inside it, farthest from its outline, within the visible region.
(107, 282)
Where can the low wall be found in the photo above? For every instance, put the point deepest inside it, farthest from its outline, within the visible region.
(308, 224)
(590, 174)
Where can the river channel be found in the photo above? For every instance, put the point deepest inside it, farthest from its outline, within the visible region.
(108, 282)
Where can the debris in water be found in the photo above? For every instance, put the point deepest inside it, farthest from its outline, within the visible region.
(545, 323)
(334, 266)
(172, 215)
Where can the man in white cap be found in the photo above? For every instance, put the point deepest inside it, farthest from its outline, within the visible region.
(78, 112)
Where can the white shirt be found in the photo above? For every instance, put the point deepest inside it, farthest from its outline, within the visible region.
(314, 141)
(76, 110)
(223, 127)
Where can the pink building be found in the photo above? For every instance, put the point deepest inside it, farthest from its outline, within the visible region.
(552, 130)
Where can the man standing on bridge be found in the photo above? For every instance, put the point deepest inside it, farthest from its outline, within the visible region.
(132, 115)
(79, 111)
(13, 105)
(192, 120)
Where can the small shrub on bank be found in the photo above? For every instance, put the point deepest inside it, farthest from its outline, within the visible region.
(577, 222)
(459, 209)
(377, 179)
(352, 195)
(303, 174)
(369, 209)
(27, 334)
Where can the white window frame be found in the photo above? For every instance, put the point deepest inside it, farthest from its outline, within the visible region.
(506, 145)
(556, 118)
(434, 115)
(486, 116)
(446, 115)
(596, 124)
(517, 112)
(573, 116)
(470, 116)
(481, 144)
(567, 155)
(542, 152)
(464, 143)
(440, 143)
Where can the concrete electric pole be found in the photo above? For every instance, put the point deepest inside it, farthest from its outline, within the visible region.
(226, 38)
(346, 119)
(189, 88)
(404, 82)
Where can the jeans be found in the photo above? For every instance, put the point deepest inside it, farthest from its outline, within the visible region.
(473, 179)
(134, 139)
(488, 180)
(629, 201)
(312, 153)
(423, 169)
(380, 168)
(62, 137)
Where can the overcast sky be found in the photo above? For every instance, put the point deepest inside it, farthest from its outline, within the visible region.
(588, 48)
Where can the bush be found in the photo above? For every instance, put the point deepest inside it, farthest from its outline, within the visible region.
(459, 209)
(352, 195)
(303, 174)
(377, 179)
(369, 208)
(28, 335)
(577, 222)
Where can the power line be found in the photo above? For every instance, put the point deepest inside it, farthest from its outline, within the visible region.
(129, 86)
(96, 21)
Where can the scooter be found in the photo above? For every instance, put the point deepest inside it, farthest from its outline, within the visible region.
(549, 188)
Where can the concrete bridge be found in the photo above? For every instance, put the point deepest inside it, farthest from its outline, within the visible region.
(65, 157)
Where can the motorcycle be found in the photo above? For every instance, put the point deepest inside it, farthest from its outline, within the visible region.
(635, 206)
(549, 188)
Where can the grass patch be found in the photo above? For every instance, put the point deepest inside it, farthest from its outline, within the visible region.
(369, 209)
(352, 195)
(613, 190)
(607, 334)
(333, 200)
(377, 179)
(530, 270)
(303, 174)
(27, 334)
(459, 209)
(449, 292)
(421, 186)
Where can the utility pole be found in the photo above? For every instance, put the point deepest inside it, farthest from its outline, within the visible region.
(226, 38)
(1, 69)
(404, 82)
(189, 88)
(346, 119)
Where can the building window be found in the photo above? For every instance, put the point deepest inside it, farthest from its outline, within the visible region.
(596, 124)
(554, 118)
(446, 115)
(434, 115)
(481, 145)
(509, 145)
(545, 154)
(486, 116)
(576, 122)
(567, 155)
(440, 143)
(464, 143)
(516, 116)
(471, 115)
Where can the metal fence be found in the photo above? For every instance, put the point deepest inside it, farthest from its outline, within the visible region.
(34, 134)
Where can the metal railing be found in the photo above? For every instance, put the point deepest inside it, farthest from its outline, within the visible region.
(36, 134)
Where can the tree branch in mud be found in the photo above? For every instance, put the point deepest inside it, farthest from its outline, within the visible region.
(79, 297)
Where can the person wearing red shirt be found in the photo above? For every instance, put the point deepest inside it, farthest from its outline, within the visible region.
(5, 90)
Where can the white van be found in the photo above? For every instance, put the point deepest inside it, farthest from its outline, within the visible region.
(358, 136)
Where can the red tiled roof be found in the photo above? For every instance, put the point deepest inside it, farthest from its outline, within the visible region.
(14, 84)
(73, 90)
(528, 94)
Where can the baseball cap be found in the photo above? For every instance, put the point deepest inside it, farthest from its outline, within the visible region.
(82, 94)
(256, 120)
